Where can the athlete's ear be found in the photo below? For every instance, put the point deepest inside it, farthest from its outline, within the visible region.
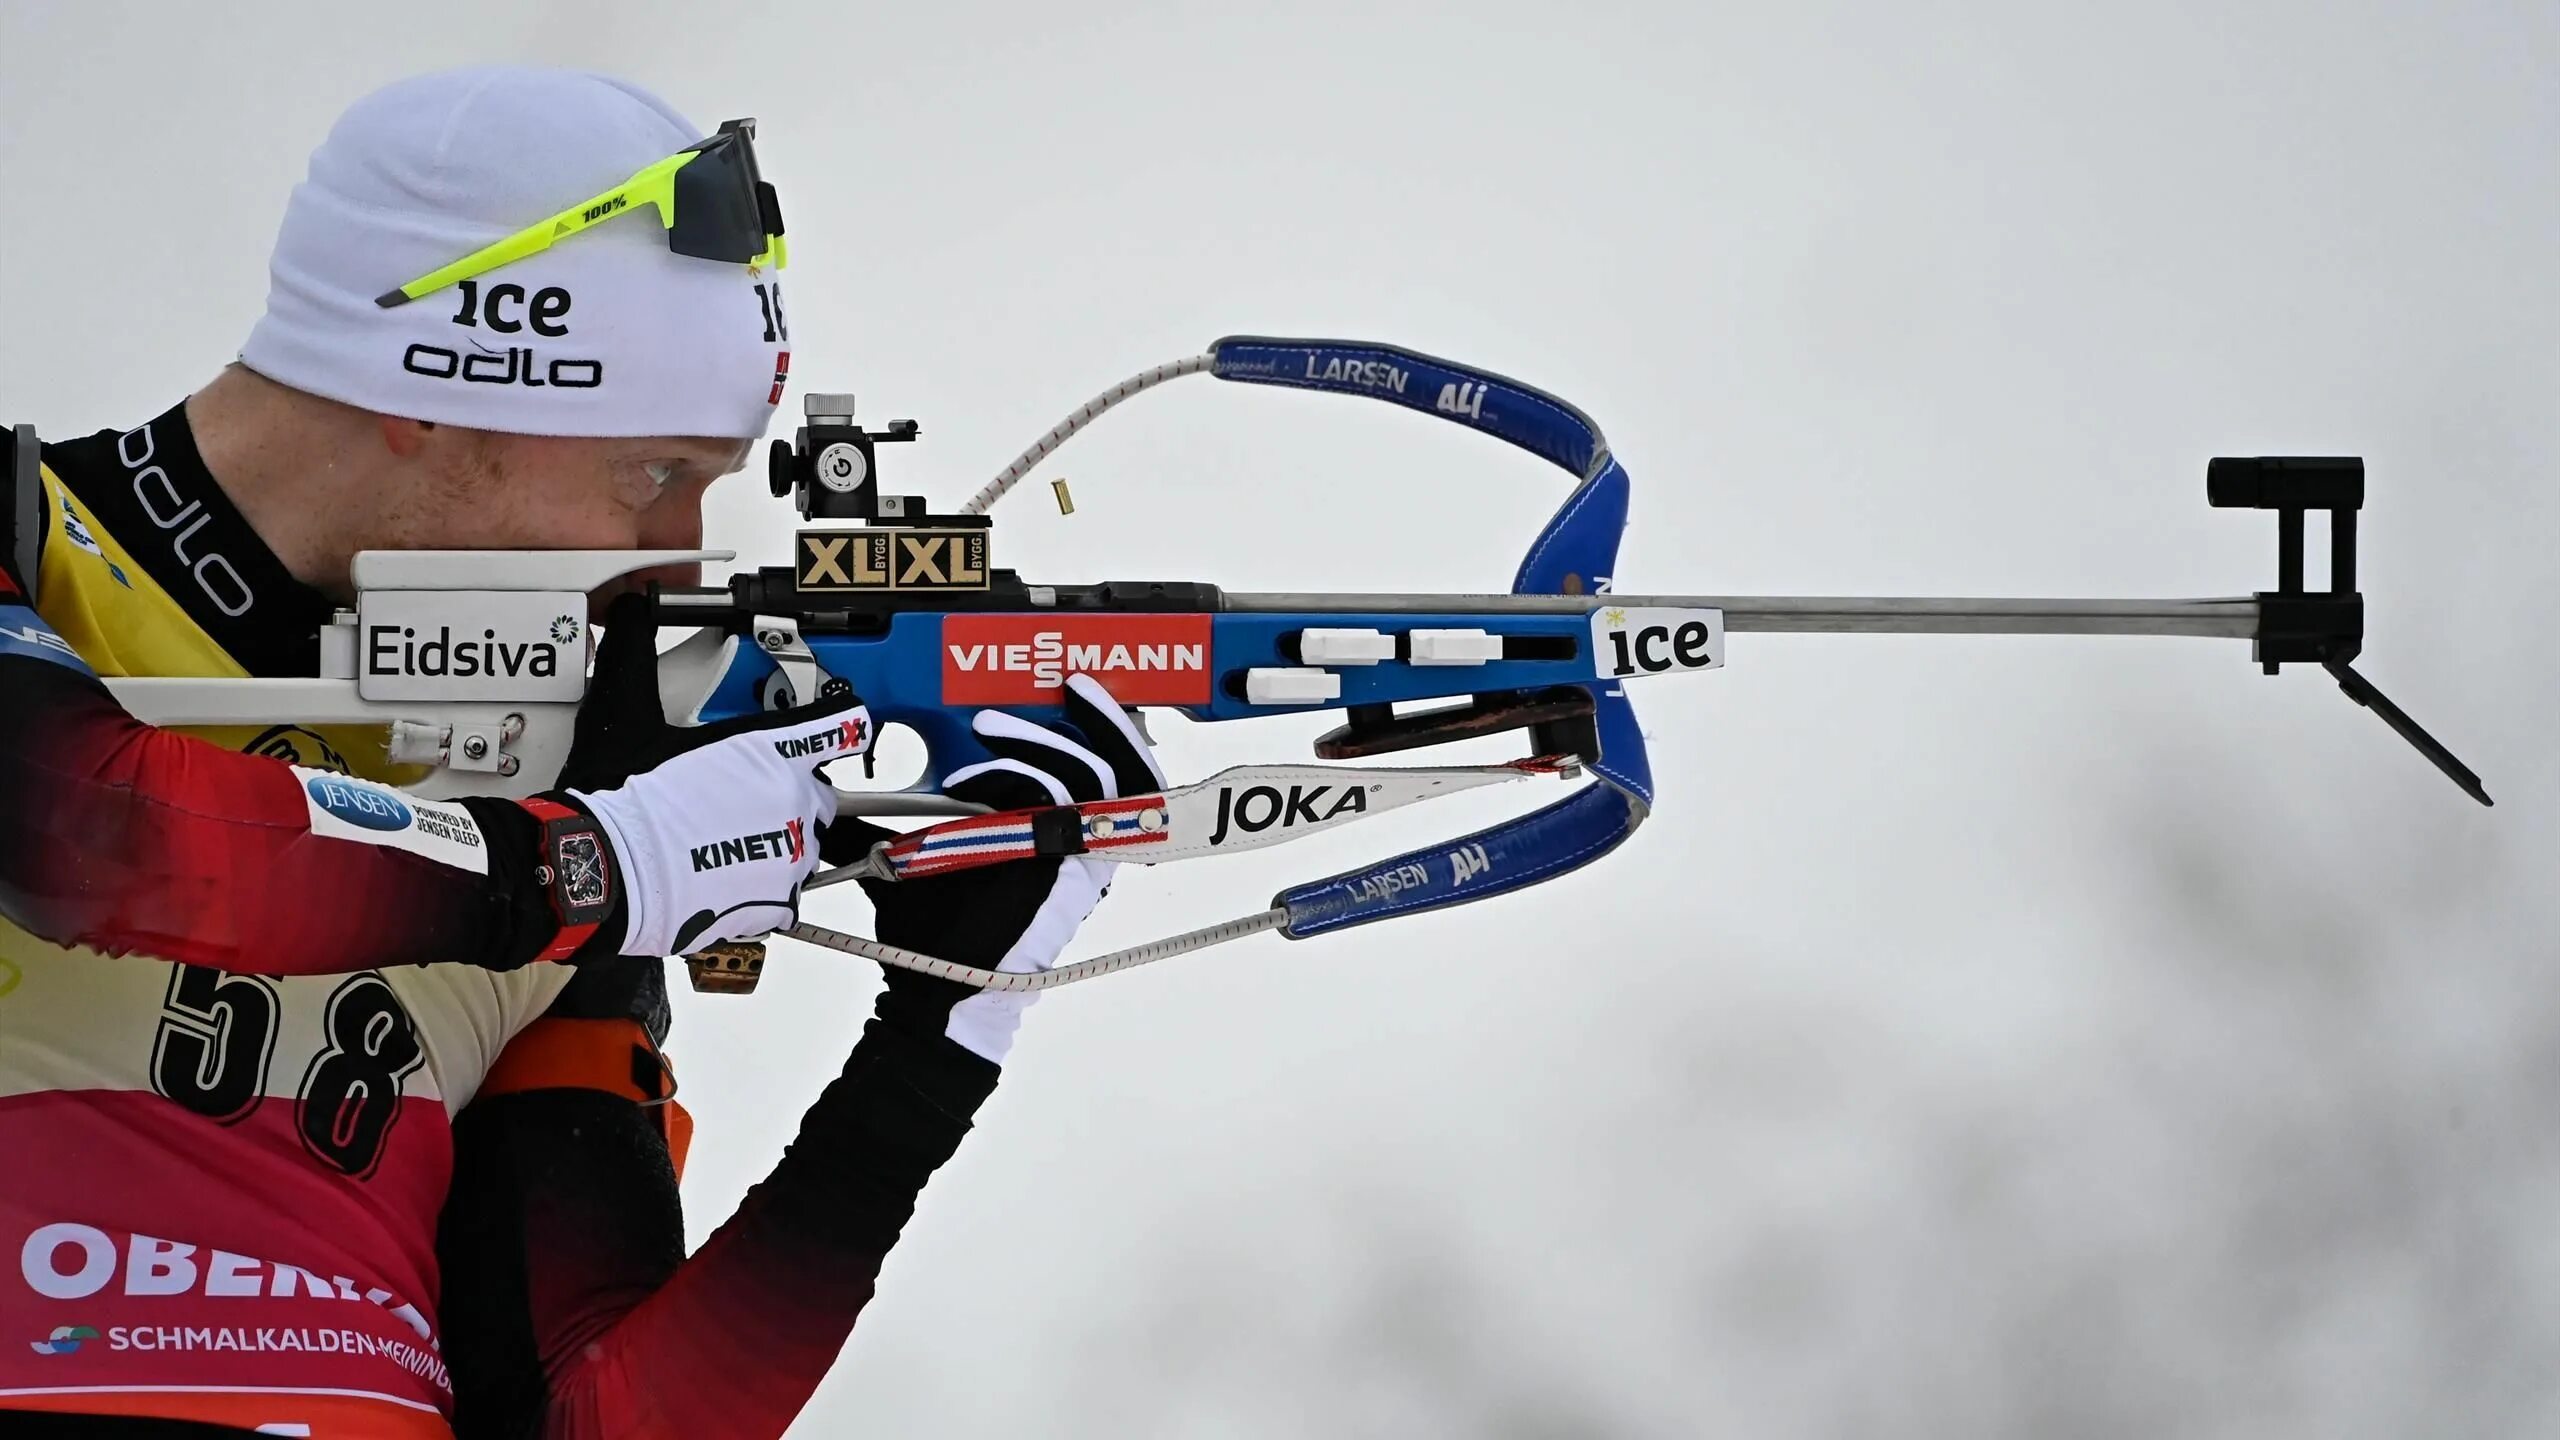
(404, 438)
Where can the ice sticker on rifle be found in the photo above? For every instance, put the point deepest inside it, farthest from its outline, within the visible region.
(1649, 641)
(892, 560)
(1026, 659)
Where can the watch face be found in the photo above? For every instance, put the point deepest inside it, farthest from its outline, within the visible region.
(582, 871)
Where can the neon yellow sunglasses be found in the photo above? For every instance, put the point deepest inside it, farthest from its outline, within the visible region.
(713, 202)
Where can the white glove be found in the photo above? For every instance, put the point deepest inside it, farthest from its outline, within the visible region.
(1016, 917)
(716, 843)
(711, 830)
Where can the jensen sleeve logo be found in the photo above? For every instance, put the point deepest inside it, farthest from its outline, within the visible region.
(1026, 659)
(343, 808)
(367, 807)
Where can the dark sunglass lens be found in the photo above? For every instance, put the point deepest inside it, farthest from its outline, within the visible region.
(717, 217)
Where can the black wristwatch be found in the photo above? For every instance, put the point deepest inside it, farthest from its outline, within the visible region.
(576, 869)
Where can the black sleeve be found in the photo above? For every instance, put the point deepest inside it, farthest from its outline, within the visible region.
(569, 1307)
(598, 1157)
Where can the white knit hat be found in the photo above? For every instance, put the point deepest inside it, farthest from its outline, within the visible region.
(425, 171)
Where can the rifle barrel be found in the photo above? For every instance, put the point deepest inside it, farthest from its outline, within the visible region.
(1900, 615)
(2236, 619)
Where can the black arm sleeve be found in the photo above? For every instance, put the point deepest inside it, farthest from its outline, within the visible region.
(569, 1308)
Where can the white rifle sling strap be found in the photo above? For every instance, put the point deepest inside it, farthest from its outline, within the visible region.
(1117, 960)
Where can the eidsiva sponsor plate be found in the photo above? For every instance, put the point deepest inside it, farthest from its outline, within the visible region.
(472, 645)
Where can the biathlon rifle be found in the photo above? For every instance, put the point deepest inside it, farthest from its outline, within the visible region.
(909, 609)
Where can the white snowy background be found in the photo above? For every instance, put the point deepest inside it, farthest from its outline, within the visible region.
(2013, 1037)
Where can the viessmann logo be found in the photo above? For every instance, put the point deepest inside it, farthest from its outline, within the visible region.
(1026, 659)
